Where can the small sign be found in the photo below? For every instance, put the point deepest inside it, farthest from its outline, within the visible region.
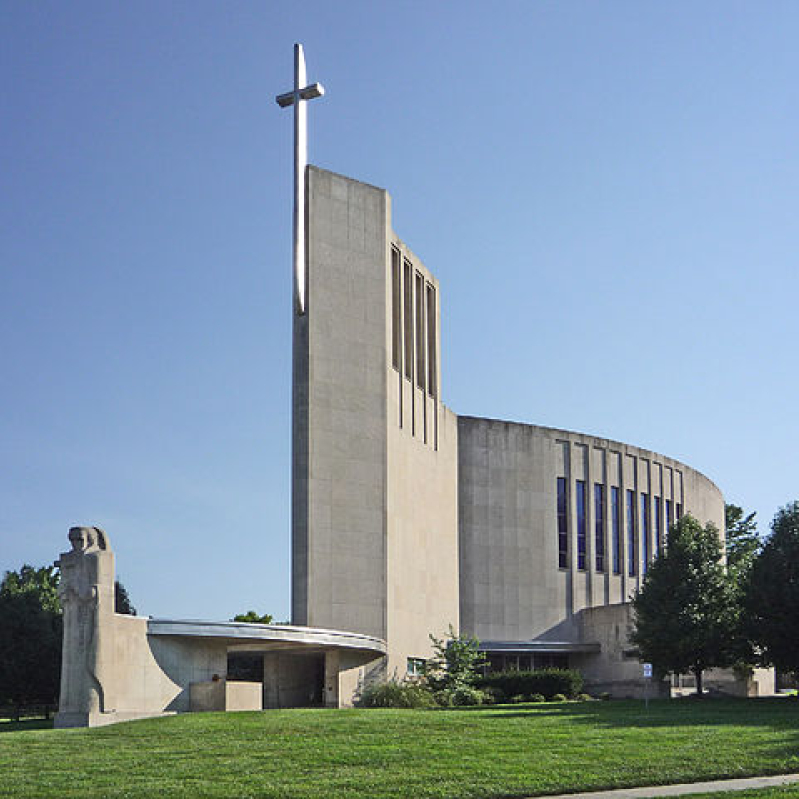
(648, 671)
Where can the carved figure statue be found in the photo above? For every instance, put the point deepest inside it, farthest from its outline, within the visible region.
(86, 592)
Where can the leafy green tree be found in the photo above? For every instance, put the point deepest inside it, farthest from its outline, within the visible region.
(122, 603)
(742, 544)
(454, 668)
(30, 637)
(685, 612)
(253, 618)
(741, 539)
(771, 604)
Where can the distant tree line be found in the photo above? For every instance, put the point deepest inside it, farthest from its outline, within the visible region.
(704, 605)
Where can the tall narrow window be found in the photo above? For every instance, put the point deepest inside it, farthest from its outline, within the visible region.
(396, 309)
(668, 516)
(563, 525)
(632, 550)
(420, 370)
(615, 524)
(658, 525)
(407, 281)
(645, 529)
(581, 531)
(432, 365)
(679, 512)
(599, 526)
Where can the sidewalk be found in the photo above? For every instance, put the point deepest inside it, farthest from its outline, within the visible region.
(684, 789)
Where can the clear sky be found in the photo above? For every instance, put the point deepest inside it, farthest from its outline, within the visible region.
(607, 192)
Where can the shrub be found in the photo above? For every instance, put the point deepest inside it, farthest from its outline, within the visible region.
(462, 696)
(558, 698)
(537, 698)
(585, 697)
(517, 699)
(544, 681)
(396, 694)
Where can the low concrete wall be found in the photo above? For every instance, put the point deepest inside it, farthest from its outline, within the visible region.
(223, 695)
(614, 670)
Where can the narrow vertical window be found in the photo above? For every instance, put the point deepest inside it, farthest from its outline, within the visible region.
(396, 309)
(632, 550)
(679, 512)
(408, 319)
(581, 532)
(432, 364)
(420, 370)
(563, 525)
(599, 526)
(668, 516)
(658, 526)
(645, 529)
(615, 523)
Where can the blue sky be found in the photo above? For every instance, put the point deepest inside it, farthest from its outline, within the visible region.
(606, 191)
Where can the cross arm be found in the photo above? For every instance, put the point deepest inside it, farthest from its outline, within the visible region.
(308, 93)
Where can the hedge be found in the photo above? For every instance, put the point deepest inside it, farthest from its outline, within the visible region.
(548, 682)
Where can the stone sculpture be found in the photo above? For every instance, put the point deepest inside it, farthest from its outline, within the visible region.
(86, 592)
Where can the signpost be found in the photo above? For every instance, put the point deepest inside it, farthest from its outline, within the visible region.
(648, 678)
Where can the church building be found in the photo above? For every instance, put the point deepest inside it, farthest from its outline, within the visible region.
(407, 519)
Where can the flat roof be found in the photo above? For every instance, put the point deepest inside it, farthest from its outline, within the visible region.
(245, 636)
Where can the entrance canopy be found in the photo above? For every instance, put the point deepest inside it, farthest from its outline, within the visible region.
(247, 637)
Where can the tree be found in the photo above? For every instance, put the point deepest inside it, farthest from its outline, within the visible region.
(684, 613)
(742, 542)
(452, 671)
(253, 618)
(771, 603)
(30, 637)
(122, 603)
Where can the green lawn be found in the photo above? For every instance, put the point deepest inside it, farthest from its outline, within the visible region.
(503, 751)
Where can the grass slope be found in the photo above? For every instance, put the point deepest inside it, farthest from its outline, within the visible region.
(504, 751)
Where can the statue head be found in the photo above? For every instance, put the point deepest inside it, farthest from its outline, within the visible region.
(78, 537)
(87, 539)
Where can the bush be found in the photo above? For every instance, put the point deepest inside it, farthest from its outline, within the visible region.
(585, 698)
(547, 682)
(538, 698)
(462, 696)
(558, 698)
(396, 694)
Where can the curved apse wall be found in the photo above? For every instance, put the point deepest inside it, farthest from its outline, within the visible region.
(552, 522)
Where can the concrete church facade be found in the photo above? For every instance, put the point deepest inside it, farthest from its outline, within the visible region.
(408, 518)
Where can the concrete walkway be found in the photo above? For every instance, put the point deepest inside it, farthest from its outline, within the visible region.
(746, 783)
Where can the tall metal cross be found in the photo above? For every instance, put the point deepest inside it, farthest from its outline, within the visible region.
(297, 98)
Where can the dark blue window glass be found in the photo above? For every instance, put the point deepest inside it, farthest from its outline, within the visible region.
(658, 526)
(615, 522)
(599, 526)
(563, 525)
(581, 531)
(645, 529)
(668, 518)
(679, 511)
(632, 551)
